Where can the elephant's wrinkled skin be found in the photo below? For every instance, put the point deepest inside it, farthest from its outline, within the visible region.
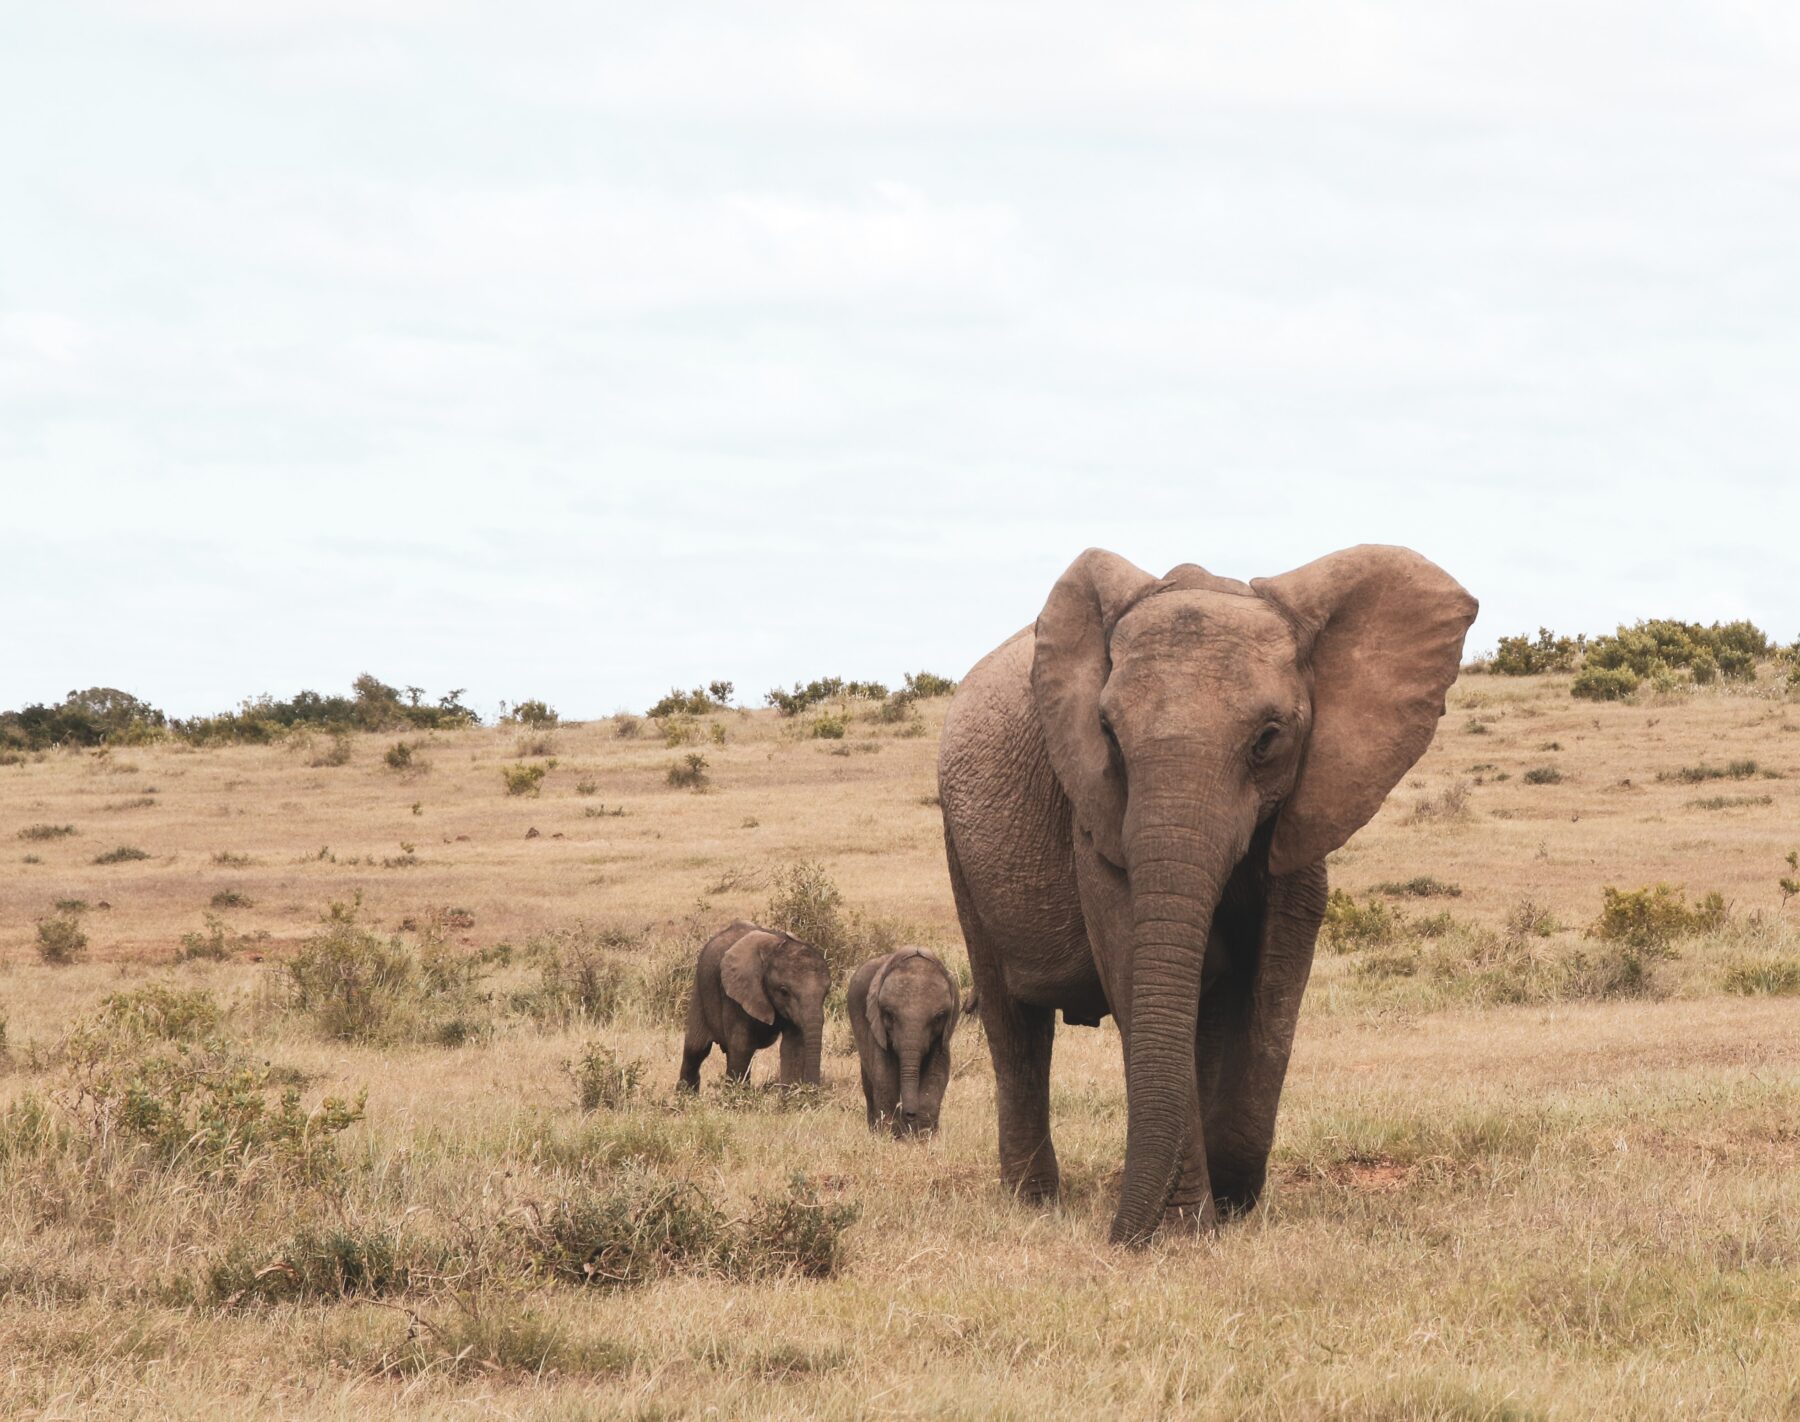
(752, 985)
(1139, 793)
(903, 1010)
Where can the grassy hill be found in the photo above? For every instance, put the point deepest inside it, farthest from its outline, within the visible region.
(1539, 1156)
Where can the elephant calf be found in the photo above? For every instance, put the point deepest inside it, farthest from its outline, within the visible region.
(903, 1010)
(752, 985)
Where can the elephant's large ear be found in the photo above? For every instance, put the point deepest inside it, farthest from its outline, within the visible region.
(872, 1003)
(1068, 671)
(955, 999)
(741, 973)
(1385, 628)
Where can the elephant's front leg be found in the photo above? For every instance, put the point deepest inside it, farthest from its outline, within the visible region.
(1245, 1044)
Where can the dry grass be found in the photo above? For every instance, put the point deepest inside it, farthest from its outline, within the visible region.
(1573, 1207)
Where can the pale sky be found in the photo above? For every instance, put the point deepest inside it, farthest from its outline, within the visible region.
(577, 350)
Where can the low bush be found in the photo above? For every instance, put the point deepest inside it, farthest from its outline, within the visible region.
(638, 1226)
(312, 1264)
(1655, 917)
(689, 773)
(1698, 774)
(625, 727)
(124, 854)
(1348, 925)
(1605, 684)
(697, 702)
(829, 728)
(1523, 656)
(1770, 976)
(1422, 886)
(603, 1081)
(926, 685)
(1543, 775)
(61, 940)
(146, 1068)
(1729, 802)
(814, 693)
(353, 985)
(1448, 806)
(39, 833)
(403, 758)
(526, 779)
(532, 713)
(1664, 644)
(231, 898)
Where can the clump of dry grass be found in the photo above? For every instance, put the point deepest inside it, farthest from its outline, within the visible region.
(1449, 806)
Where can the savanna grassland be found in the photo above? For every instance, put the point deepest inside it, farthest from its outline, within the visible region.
(417, 1154)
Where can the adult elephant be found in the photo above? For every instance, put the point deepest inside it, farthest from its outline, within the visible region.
(1138, 795)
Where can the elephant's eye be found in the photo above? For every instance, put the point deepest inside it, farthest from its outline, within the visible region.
(1266, 741)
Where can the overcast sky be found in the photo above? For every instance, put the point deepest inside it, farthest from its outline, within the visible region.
(575, 350)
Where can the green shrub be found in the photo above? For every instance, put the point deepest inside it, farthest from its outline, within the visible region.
(403, 757)
(312, 1264)
(829, 728)
(1696, 774)
(1348, 925)
(158, 1013)
(124, 854)
(195, 1105)
(1422, 886)
(1450, 805)
(1543, 775)
(587, 787)
(638, 1226)
(533, 713)
(1729, 802)
(1789, 883)
(101, 715)
(348, 980)
(526, 779)
(1522, 656)
(689, 773)
(61, 940)
(813, 693)
(680, 729)
(1770, 977)
(602, 1081)
(43, 832)
(1654, 917)
(1605, 684)
(698, 702)
(926, 685)
(578, 980)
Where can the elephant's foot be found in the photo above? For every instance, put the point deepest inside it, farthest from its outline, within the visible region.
(1235, 1192)
(1034, 1187)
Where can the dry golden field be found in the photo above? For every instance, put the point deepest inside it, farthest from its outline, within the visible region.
(1521, 1172)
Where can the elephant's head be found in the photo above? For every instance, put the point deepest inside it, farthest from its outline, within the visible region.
(912, 1009)
(1191, 717)
(778, 979)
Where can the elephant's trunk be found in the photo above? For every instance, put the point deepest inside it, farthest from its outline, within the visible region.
(815, 1042)
(909, 1086)
(1177, 874)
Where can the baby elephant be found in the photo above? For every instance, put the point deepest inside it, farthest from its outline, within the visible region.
(752, 985)
(903, 1010)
